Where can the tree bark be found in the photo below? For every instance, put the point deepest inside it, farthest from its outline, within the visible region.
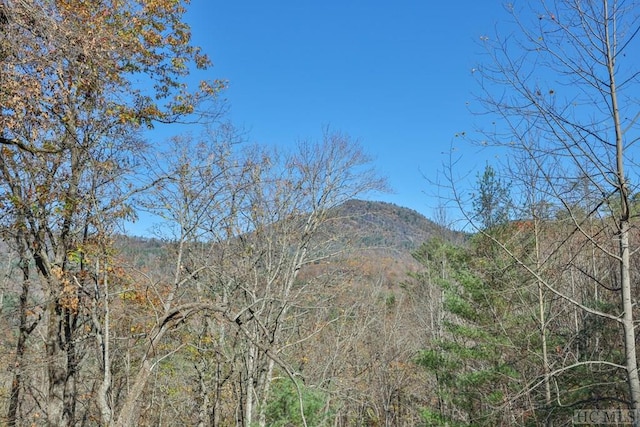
(631, 361)
(131, 409)
(24, 330)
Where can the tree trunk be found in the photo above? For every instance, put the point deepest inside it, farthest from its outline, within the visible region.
(131, 409)
(266, 388)
(631, 361)
(23, 333)
(203, 408)
(103, 336)
(543, 325)
(56, 369)
(250, 384)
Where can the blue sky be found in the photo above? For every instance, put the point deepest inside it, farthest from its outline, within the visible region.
(396, 75)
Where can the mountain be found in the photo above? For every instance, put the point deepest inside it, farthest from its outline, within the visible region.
(386, 226)
(378, 236)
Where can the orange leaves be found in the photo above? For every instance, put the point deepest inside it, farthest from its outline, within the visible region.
(134, 296)
(202, 62)
(76, 50)
(212, 88)
(68, 298)
(6, 152)
(151, 37)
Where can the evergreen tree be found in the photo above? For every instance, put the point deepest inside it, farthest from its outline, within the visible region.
(492, 204)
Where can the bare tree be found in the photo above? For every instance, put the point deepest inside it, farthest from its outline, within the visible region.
(562, 88)
(285, 207)
(244, 221)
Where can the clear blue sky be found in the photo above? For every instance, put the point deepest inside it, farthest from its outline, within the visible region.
(396, 75)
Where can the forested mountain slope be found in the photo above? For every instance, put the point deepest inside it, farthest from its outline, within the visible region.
(378, 233)
(354, 327)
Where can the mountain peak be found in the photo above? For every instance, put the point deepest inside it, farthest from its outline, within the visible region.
(384, 225)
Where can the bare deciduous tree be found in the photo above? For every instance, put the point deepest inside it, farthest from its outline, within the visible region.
(563, 87)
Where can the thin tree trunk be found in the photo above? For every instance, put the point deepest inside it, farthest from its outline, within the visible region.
(103, 336)
(70, 396)
(56, 369)
(203, 408)
(631, 361)
(250, 381)
(543, 325)
(23, 333)
(266, 388)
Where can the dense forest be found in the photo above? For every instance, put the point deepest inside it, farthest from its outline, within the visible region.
(271, 292)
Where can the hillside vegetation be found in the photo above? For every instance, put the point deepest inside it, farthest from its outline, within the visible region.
(352, 335)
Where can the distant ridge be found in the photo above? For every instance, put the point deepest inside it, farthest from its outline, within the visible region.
(386, 225)
(378, 234)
